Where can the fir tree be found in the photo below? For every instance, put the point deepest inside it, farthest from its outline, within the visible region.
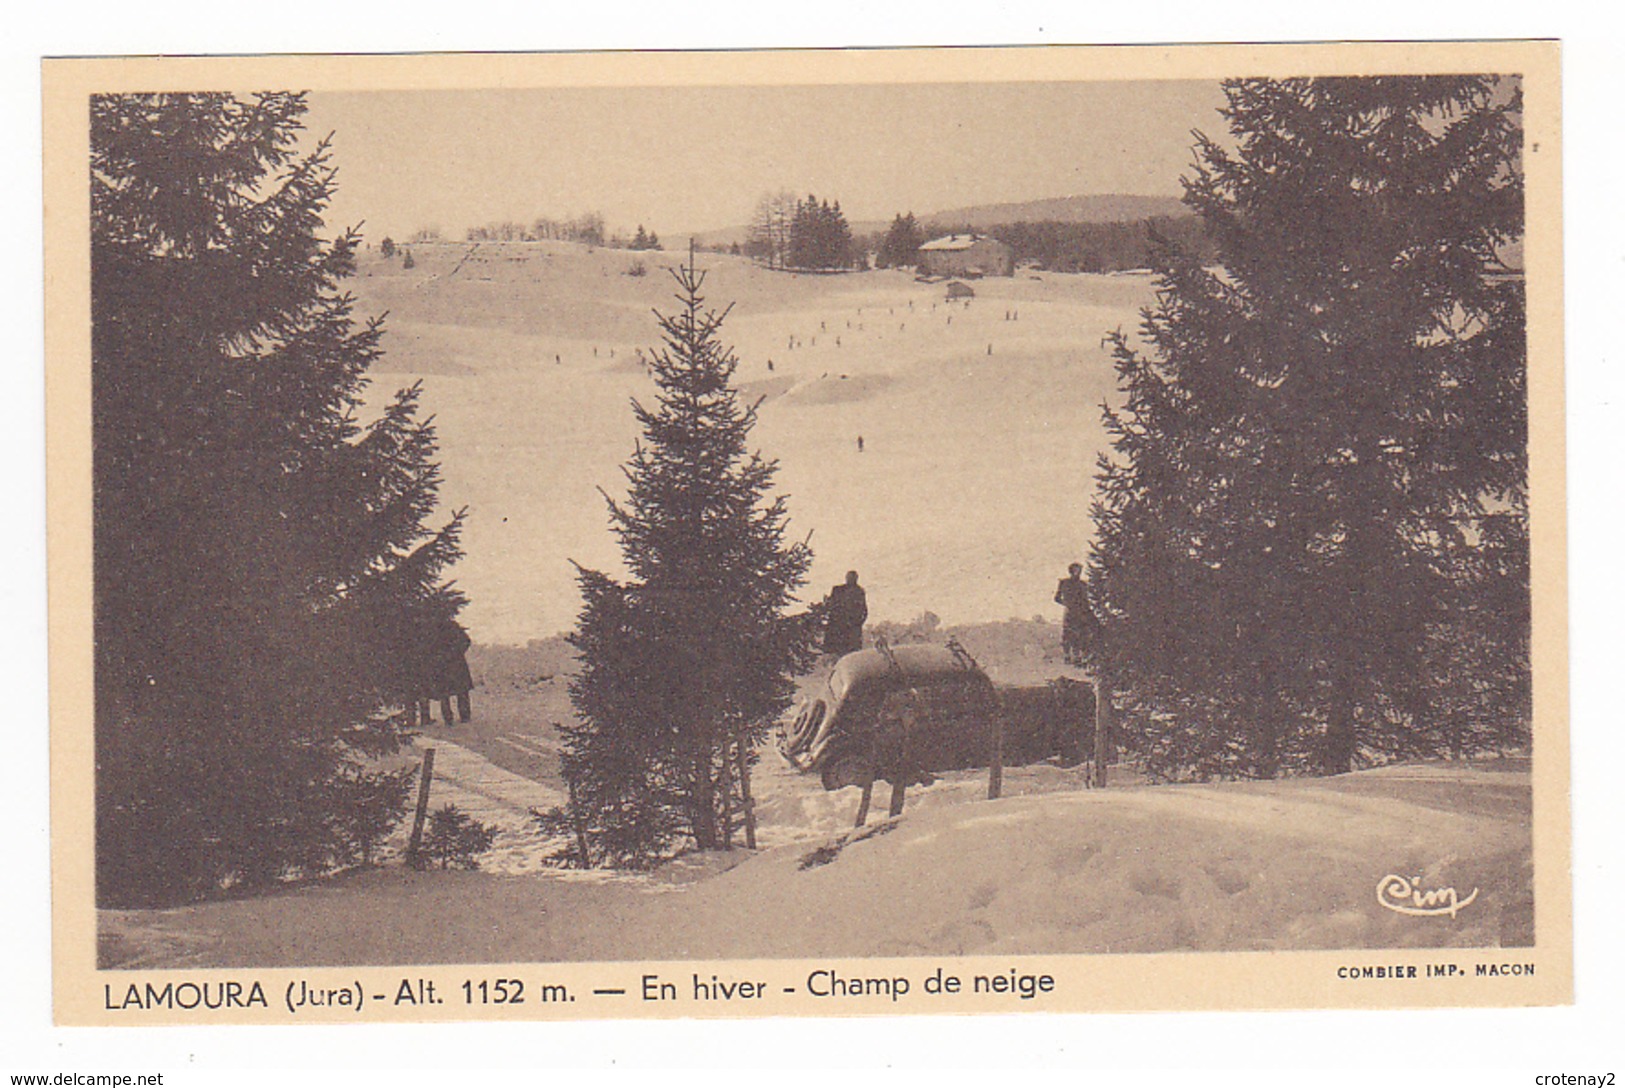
(258, 552)
(1312, 540)
(686, 663)
(456, 838)
(803, 247)
(902, 242)
(839, 254)
(819, 237)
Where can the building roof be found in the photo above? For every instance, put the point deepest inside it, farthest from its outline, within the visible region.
(952, 242)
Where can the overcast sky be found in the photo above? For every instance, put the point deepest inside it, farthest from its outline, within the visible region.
(697, 159)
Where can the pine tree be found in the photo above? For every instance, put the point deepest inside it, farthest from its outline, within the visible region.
(803, 245)
(258, 552)
(456, 839)
(686, 663)
(819, 236)
(839, 246)
(640, 240)
(1312, 539)
(902, 242)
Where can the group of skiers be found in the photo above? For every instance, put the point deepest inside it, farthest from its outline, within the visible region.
(847, 607)
(434, 667)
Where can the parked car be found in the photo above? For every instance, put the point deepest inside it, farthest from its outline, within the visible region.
(851, 728)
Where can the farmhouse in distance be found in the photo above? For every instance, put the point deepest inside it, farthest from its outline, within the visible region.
(966, 255)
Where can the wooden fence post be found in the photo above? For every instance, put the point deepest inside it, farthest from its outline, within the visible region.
(1103, 727)
(868, 785)
(747, 802)
(580, 826)
(905, 758)
(727, 797)
(899, 786)
(425, 776)
(995, 769)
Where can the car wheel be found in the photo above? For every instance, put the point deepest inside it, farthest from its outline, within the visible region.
(805, 727)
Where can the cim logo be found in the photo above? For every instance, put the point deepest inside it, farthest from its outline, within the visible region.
(1406, 896)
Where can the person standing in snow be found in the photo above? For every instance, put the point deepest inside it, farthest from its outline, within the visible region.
(1079, 625)
(846, 609)
(443, 672)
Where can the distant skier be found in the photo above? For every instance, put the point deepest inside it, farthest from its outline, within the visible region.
(860, 437)
(847, 607)
(1079, 626)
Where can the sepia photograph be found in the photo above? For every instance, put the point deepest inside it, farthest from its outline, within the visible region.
(875, 532)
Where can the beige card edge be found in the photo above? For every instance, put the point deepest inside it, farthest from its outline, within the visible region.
(1272, 980)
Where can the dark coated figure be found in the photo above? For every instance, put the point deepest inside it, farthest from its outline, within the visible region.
(847, 609)
(1079, 626)
(442, 672)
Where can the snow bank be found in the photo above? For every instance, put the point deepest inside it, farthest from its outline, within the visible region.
(1238, 866)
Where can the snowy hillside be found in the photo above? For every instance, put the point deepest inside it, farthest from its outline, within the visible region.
(1141, 869)
(980, 421)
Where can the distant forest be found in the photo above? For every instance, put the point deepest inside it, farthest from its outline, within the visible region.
(1087, 247)
(784, 236)
(587, 228)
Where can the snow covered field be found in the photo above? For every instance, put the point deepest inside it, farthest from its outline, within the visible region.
(980, 421)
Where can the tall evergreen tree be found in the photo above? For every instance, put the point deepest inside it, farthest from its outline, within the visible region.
(839, 251)
(1312, 539)
(819, 236)
(803, 246)
(686, 663)
(902, 242)
(258, 552)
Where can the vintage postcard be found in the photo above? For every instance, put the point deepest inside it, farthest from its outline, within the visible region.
(828, 533)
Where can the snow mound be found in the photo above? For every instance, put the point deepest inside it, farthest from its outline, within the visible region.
(1229, 867)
